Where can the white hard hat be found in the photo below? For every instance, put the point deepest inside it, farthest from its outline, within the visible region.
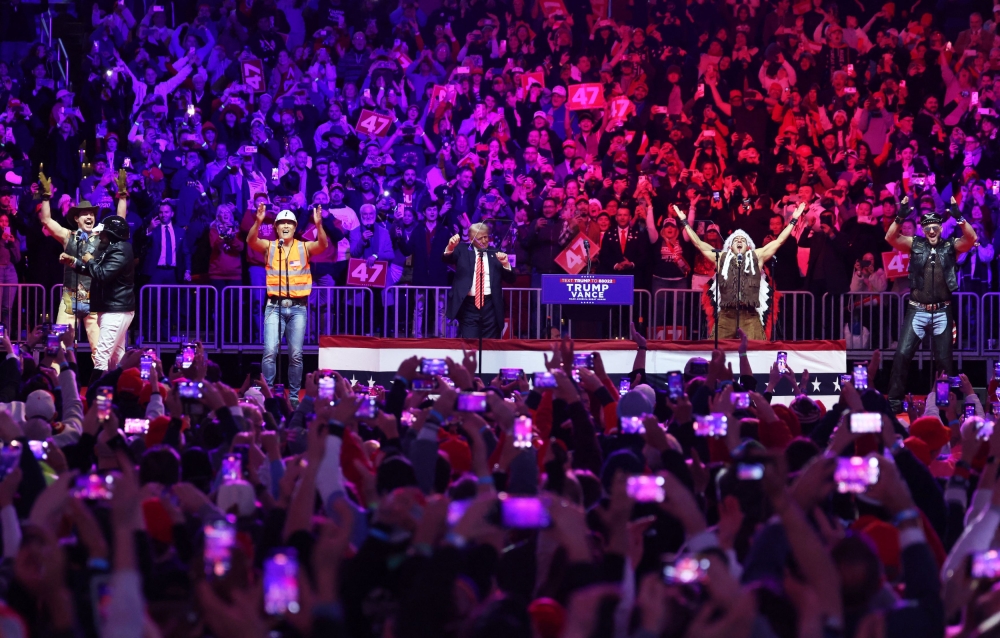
(286, 216)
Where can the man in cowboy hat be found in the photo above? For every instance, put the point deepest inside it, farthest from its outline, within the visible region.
(933, 266)
(740, 286)
(75, 302)
(111, 268)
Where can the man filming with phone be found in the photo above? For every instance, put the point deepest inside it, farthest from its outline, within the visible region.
(866, 277)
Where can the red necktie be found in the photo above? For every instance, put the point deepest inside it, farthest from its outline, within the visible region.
(479, 280)
(622, 235)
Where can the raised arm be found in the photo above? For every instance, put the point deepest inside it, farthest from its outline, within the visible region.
(704, 248)
(766, 252)
(121, 208)
(720, 104)
(45, 214)
(321, 243)
(253, 237)
(651, 225)
(968, 238)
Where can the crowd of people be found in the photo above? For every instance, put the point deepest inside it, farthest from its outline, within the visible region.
(407, 125)
(159, 501)
(266, 143)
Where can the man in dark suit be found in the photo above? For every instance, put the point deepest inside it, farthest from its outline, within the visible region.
(167, 260)
(427, 243)
(622, 247)
(476, 297)
(166, 263)
(232, 185)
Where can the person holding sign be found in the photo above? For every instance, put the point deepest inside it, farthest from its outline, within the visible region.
(933, 278)
(476, 296)
(740, 289)
(372, 242)
(289, 282)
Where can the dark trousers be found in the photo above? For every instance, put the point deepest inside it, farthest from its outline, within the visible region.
(908, 342)
(472, 319)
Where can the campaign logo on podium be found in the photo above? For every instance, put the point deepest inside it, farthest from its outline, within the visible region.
(602, 290)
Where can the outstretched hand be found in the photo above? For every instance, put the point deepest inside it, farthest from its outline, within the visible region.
(122, 182)
(46, 185)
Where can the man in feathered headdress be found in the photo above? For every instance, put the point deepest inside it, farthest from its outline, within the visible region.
(740, 287)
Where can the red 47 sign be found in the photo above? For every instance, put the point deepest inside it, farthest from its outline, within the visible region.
(619, 108)
(253, 75)
(551, 6)
(573, 258)
(444, 93)
(897, 264)
(586, 96)
(374, 124)
(359, 274)
(536, 77)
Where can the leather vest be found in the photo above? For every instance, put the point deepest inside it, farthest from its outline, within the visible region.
(919, 254)
(74, 282)
(748, 286)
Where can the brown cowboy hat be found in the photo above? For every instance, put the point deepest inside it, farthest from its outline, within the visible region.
(83, 207)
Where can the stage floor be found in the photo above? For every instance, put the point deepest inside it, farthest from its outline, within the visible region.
(376, 359)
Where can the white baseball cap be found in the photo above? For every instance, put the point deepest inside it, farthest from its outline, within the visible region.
(286, 216)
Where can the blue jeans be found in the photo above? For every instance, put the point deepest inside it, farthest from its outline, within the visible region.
(916, 324)
(290, 323)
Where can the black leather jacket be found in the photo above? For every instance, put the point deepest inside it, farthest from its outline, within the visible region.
(919, 254)
(112, 273)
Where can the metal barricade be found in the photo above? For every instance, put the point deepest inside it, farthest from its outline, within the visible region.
(332, 310)
(989, 323)
(22, 307)
(678, 316)
(640, 313)
(176, 314)
(869, 320)
(523, 313)
(420, 311)
(595, 322)
(796, 318)
(339, 310)
(965, 311)
(826, 316)
(242, 323)
(417, 311)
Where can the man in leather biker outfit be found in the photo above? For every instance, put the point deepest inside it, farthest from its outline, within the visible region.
(933, 264)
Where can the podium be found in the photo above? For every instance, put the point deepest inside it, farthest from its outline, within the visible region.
(572, 298)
